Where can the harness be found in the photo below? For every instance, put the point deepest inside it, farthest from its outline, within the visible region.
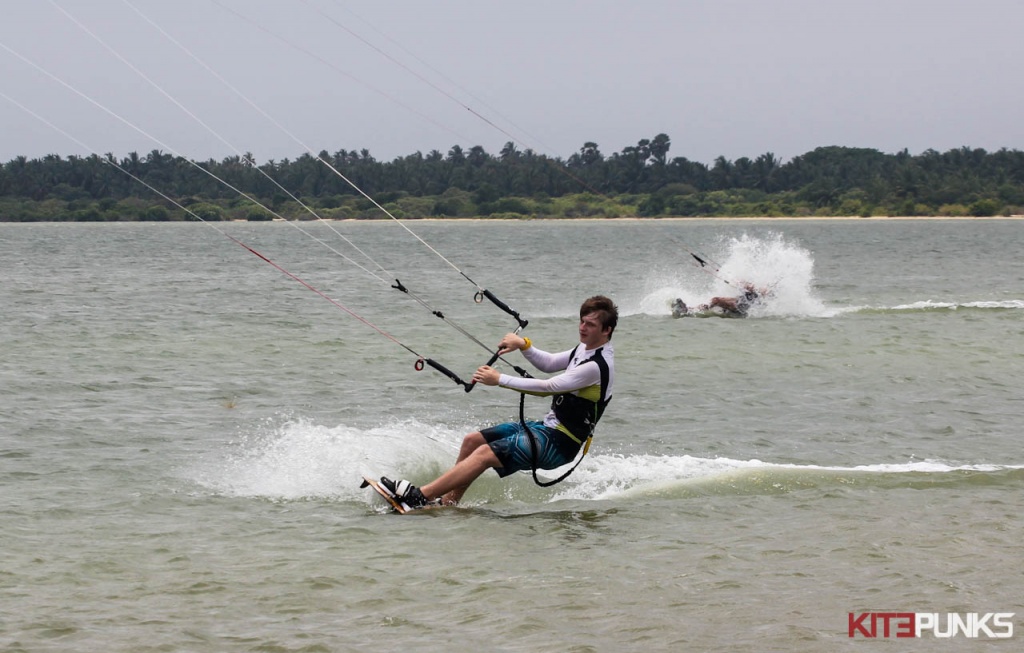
(578, 417)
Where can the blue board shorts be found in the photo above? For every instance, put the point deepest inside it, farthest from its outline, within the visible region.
(511, 445)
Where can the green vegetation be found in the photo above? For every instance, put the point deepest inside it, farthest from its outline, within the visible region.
(639, 181)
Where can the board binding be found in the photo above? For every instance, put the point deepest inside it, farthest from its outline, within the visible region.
(396, 504)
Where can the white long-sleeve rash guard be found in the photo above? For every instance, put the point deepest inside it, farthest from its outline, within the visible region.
(576, 376)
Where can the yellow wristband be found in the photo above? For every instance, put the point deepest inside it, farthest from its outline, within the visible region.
(528, 343)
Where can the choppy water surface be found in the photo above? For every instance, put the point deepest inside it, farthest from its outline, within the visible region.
(182, 430)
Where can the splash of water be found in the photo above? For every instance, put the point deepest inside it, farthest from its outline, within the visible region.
(291, 459)
(785, 269)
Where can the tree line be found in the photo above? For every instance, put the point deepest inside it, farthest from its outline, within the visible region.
(639, 181)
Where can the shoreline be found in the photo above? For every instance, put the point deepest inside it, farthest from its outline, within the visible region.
(809, 218)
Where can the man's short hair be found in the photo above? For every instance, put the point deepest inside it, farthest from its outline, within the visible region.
(606, 310)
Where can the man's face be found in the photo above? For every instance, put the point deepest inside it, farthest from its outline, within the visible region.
(592, 334)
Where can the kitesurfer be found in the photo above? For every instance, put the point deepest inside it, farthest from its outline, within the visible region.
(740, 305)
(730, 306)
(580, 394)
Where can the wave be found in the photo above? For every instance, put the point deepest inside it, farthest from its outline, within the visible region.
(299, 460)
(929, 306)
(925, 306)
(686, 476)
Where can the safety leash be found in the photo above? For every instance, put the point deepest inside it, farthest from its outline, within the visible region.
(534, 448)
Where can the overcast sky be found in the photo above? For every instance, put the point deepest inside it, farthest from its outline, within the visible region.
(721, 78)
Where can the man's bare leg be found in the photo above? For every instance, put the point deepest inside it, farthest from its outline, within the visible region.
(475, 458)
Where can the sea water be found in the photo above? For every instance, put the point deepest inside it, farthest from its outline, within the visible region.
(183, 429)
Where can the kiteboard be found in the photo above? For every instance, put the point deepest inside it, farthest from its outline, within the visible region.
(396, 504)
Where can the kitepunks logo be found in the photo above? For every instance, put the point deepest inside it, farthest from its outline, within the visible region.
(975, 625)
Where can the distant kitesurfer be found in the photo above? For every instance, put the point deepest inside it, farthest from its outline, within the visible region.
(739, 306)
(729, 306)
(580, 394)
